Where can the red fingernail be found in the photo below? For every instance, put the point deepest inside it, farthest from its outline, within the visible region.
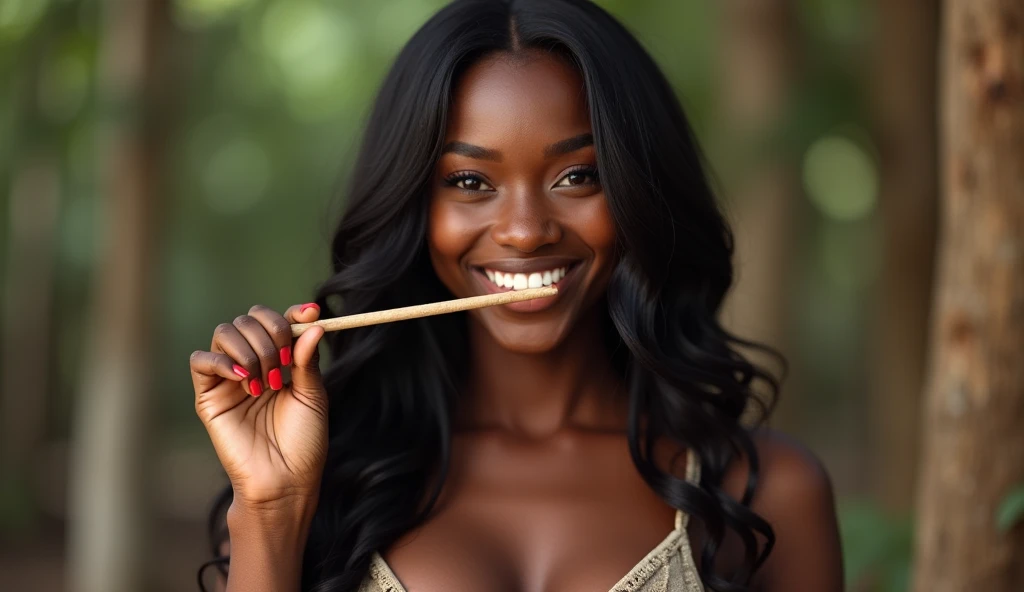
(286, 356)
(255, 387)
(242, 372)
(274, 376)
(310, 305)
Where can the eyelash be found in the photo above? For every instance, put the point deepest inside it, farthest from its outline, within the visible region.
(453, 179)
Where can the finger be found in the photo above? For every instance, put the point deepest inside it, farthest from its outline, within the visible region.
(228, 340)
(266, 350)
(306, 378)
(303, 313)
(280, 331)
(210, 369)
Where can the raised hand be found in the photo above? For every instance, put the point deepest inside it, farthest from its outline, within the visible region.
(269, 433)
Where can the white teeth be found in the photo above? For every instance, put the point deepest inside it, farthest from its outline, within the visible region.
(522, 281)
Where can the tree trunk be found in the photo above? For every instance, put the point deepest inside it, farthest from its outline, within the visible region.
(974, 442)
(904, 108)
(26, 325)
(108, 494)
(759, 65)
(26, 359)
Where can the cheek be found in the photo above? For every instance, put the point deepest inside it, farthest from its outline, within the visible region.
(449, 236)
(597, 229)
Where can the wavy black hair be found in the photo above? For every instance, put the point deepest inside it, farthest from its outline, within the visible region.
(393, 387)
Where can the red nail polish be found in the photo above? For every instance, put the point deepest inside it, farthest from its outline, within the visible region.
(255, 387)
(242, 372)
(310, 305)
(286, 356)
(274, 376)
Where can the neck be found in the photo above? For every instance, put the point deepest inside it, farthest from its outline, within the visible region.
(539, 395)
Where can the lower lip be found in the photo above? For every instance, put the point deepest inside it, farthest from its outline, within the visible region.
(534, 304)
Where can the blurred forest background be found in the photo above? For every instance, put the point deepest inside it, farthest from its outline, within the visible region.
(165, 165)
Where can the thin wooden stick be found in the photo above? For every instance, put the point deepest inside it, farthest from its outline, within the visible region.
(424, 310)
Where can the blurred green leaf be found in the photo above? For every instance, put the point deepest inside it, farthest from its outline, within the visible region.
(1011, 510)
(877, 547)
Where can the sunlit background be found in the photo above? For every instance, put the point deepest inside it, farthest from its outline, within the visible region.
(816, 116)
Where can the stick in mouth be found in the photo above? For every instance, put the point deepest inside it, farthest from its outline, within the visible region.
(424, 310)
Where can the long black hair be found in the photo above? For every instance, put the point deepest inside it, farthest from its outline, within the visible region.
(393, 387)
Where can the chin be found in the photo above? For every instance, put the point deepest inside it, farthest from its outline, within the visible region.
(533, 338)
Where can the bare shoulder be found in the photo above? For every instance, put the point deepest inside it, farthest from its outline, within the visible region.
(787, 472)
(790, 474)
(794, 494)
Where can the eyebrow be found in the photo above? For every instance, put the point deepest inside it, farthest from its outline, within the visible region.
(557, 149)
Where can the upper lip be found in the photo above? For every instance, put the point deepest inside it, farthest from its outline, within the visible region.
(528, 265)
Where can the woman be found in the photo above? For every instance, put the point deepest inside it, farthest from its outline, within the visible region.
(556, 444)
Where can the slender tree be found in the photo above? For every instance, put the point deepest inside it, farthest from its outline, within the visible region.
(759, 71)
(107, 494)
(904, 115)
(26, 319)
(974, 439)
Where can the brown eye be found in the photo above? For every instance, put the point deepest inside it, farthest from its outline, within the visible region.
(579, 177)
(468, 183)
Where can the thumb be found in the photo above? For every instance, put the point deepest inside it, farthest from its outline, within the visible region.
(306, 378)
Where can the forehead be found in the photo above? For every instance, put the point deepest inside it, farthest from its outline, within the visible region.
(517, 98)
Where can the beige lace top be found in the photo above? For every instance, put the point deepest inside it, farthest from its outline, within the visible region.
(668, 567)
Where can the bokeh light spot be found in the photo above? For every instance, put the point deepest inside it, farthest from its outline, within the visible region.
(195, 14)
(17, 17)
(841, 179)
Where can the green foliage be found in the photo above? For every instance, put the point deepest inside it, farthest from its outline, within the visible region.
(1011, 510)
(877, 548)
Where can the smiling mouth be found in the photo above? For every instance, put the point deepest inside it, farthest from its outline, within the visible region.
(508, 281)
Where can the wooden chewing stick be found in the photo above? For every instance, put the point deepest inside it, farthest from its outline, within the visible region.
(424, 310)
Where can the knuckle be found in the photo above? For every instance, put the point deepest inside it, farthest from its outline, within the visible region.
(267, 352)
(242, 320)
(195, 356)
(250, 362)
(281, 327)
(257, 308)
(222, 329)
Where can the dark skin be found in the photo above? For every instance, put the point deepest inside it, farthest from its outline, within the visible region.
(542, 493)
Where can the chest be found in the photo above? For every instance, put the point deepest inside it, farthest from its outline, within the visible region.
(572, 515)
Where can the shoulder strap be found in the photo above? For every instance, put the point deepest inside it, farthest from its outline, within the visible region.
(692, 477)
(692, 467)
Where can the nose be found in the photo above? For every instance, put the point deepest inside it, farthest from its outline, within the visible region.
(526, 222)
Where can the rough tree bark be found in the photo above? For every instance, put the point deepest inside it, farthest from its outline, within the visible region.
(974, 442)
(904, 110)
(107, 493)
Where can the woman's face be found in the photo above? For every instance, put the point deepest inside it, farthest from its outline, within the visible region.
(516, 199)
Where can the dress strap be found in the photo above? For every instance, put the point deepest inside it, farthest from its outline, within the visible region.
(692, 477)
(692, 467)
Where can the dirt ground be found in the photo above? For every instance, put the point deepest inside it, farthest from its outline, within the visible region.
(38, 564)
